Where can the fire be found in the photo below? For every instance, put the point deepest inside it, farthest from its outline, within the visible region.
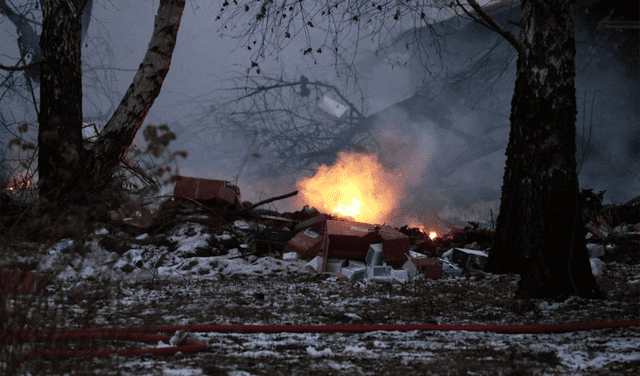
(357, 186)
(415, 224)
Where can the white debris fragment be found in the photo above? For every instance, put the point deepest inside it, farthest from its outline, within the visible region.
(410, 267)
(450, 268)
(374, 255)
(401, 275)
(334, 265)
(597, 267)
(291, 256)
(355, 270)
(102, 231)
(315, 264)
(380, 274)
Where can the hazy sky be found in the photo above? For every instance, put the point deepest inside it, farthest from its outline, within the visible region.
(202, 59)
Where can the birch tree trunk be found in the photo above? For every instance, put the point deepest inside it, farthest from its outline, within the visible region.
(120, 130)
(539, 232)
(68, 173)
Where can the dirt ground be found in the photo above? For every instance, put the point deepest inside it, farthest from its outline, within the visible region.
(113, 279)
(474, 298)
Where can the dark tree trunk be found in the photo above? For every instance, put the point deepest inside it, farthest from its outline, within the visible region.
(540, 233)
(60, 118)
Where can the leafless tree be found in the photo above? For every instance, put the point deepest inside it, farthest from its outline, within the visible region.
(69, 172)
(283, 120)
(540, 233)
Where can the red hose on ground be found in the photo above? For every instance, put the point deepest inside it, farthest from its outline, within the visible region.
(191, 346)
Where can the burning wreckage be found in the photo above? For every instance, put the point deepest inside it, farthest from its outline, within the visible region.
(345, 249)
(339, 248)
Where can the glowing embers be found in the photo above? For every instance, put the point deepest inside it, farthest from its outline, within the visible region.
(356, 186)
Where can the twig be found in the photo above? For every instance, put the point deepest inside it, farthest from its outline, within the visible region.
(22, 67)
(137, 171)
(492, 24)
(266, 202)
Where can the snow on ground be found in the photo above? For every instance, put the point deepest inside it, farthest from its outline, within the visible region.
(193, 276)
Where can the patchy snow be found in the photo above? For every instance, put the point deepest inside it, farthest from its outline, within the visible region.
(171, 279)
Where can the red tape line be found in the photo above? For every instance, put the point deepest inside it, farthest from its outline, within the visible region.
(148, 334)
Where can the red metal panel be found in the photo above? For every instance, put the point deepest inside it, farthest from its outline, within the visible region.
(395, 245)
(206, 189)
(351, 240)
(209, 190)
(185, 187)
(429, 267)
(310, 242)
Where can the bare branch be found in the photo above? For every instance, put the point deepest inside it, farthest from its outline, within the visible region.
(493, 25)
(22, 67)
(282, 197)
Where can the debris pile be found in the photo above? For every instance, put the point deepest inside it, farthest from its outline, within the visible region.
(205, 230)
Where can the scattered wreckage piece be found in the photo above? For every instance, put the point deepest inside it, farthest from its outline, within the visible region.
(431, 268)
(354, 250)
(205, 190)
(351, 240)
(308, 243)
(469, 258)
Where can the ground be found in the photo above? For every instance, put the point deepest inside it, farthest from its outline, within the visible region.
(191, 273)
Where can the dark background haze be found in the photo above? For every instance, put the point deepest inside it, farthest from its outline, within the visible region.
(444, 131)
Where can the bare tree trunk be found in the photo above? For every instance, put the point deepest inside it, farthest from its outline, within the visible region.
(540, 233)
(60, 117)
(120, 130)
(68, 173)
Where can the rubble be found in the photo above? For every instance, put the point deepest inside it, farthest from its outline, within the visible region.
(355, 271)
(346, 249)
(431, 268)
(469, 258)
(207, 190)
(595, 250)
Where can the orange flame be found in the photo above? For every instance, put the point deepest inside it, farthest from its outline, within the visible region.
(433, 235)
(357, 186)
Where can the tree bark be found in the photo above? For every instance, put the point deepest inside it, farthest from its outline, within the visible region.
(60, 117)
(540, 233)
(69, 173)
(120, 130)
